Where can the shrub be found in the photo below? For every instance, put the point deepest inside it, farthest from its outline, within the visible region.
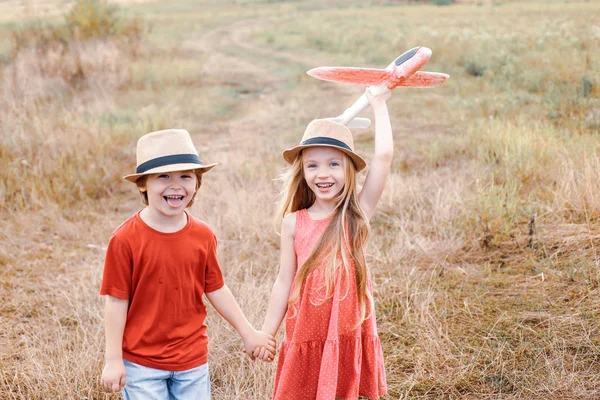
(586, 87)
(93, 18)
(474, 67)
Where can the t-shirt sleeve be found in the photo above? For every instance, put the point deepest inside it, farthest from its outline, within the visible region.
(213, 277)
(118, 268)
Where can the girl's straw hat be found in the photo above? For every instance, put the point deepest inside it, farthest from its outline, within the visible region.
(326, 133)
(166, 151)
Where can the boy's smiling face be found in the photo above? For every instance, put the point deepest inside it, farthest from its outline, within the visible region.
(169, 193)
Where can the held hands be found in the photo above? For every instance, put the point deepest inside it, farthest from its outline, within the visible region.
(113, 375)
(260, 340)
(263, 354)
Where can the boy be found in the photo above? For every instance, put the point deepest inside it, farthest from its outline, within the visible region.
(158, 265)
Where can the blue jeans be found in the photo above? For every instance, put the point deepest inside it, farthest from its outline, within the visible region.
(143, 383)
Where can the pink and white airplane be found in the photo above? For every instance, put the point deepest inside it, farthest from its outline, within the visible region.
(403, 71)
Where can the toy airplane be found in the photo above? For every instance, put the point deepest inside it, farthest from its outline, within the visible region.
(403, 71)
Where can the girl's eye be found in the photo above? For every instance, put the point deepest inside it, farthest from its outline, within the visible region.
(335, 164)
(311, 166)
(186, 176)
(163, 176)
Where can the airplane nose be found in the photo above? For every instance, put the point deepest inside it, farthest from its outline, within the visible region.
(423, 52)
(408, 63)
(404, 57)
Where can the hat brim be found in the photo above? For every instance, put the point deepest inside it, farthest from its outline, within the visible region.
(170, 168)
(290, 155)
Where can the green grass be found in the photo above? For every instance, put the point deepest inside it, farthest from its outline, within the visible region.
(495, 51)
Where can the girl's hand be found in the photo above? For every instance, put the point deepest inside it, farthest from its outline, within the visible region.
(113, 375)
(377, 101)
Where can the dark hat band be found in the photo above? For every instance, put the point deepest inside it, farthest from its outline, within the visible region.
(168, 160)
(326, 140)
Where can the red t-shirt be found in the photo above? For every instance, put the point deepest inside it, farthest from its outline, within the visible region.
(163, 275)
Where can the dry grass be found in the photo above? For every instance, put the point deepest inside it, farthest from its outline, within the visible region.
(484, 249)
(12, 10)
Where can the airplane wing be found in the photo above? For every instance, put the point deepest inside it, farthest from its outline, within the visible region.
(425, 79)
(359, 76)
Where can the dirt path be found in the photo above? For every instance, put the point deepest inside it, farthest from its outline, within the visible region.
(231, 52)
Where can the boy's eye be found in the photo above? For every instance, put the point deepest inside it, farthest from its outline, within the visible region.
(162, 176)
(186, 176)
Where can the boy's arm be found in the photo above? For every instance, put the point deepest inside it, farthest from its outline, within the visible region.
(384, 149)
(223, 301)
(115, 316)
(278, 303)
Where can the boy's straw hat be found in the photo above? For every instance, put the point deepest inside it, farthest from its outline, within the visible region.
(326, 133)
(166, 151)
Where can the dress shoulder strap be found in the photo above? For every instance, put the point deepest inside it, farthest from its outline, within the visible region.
(300, 221)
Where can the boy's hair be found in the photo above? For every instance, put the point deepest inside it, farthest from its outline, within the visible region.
(344, 239)
(141, 184)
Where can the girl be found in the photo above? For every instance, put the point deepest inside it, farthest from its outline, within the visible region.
(331, 348)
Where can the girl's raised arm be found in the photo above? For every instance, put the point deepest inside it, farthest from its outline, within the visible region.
(384, 149)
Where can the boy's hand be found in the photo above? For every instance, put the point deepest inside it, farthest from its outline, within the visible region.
(377, 101)
(259, 339)
(113, 375)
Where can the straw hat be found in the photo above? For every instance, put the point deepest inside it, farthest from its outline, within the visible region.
(166, 151)
(326, 133)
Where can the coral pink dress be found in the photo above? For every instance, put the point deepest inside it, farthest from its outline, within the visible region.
(324, 355)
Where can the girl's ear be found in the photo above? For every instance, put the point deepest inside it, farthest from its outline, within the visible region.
(142, 189)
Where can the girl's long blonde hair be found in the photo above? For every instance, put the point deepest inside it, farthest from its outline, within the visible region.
(344, 239)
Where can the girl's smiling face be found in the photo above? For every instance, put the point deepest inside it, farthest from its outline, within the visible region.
(324, 171)
(169, 193)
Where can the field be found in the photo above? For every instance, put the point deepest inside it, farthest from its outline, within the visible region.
(484, 249)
